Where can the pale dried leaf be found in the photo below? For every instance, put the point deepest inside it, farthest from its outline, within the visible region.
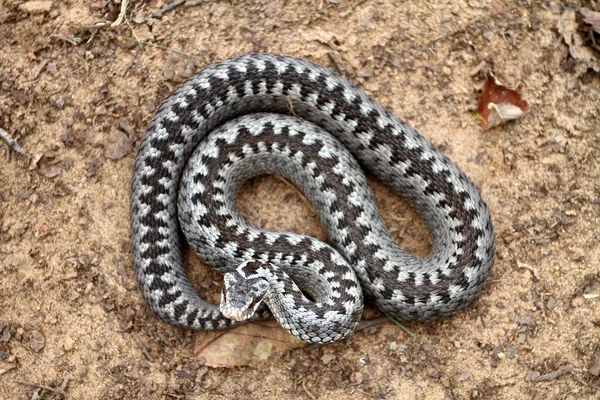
(247, 344)
(567, 27)
(36, 7)
(501, 113)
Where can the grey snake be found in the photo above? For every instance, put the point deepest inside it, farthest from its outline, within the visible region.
(262, 114)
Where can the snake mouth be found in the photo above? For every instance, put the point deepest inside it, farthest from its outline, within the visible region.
(237, 313)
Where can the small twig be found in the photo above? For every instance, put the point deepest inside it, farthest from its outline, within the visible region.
(366, 393)
(534, 20)
(528, 267)
(291, 105)
(143, 348)
(69, 39)
(8, 369)
(403, 327)
(121, 17)
(136, 37)
(308, 393)
(131, 63)
(162, 11)
(66, 381)
(336, 64)
(39, 70)
(565, 369)
(150, 44)
(191, 3)
(37, 385)
(11, 144)
(369, 323)
(291, 185)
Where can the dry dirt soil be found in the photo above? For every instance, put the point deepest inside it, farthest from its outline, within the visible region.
(77, 94)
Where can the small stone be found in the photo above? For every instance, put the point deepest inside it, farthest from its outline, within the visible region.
(327, 358)
(37, 341)
(200, 374)
(393, 346)
(577, 301)
(69, 344)
(94, 345)
(531, 375)
(463, 376)
(358, 378)
(88, 288)
(510, 352)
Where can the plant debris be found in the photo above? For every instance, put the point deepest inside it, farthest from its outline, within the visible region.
(246, 344)
(498, 104)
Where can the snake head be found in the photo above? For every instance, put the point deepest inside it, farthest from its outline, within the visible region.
(242, 294)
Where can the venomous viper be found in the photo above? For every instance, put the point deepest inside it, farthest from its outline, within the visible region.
(230, 122)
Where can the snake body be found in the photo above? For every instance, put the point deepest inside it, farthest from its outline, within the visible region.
(231, 116)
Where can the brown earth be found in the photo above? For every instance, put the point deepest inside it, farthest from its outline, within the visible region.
(77, 95)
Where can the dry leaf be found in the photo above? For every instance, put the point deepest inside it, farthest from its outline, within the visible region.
(582, 54)
(246, 344)
(591, 17)
(498, 104)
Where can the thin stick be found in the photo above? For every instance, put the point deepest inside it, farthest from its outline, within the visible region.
(121, 17)
(403, 327)
(291, 185)
(369, 323)
(150, 44)
(39, 70)
(334, 61)
(8, 369)
(135, 53)
(12, 144)
(143, 348)
(307, 391)
(136, 37)
(162, 11)
(69, 39)
(37, 385)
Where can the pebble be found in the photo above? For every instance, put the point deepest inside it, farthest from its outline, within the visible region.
(327, 358)
(69, 344)
(577, 301)
(37, 341)
(88, 288)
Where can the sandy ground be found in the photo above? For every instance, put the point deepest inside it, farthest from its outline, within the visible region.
(71, 315)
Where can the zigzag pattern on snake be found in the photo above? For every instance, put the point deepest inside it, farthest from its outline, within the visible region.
(213, 113)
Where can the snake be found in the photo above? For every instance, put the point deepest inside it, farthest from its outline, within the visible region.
(258, 114)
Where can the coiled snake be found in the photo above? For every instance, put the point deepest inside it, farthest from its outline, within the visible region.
(234, 117)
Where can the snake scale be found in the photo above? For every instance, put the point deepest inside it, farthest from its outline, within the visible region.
(262, 114)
